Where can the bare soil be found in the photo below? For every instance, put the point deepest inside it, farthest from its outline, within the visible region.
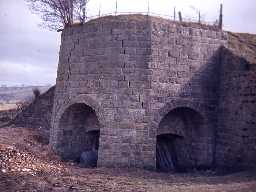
(28, 164)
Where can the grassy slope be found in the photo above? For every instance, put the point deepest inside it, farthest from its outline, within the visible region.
(244, 45)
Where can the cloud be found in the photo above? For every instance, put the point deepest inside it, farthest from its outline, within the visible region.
(26, 50)
(24, 73)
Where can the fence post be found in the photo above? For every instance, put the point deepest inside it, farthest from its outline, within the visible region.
(221, 17)
(83, 19)
(199, 17)
(180, 17)
(116, 8)
(99, 9)
(174, 13)
(148, 7)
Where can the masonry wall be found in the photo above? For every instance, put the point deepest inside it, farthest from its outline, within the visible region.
(236, 136)
(103, 65)
(185, 66)
(7, 115)
(132, 71)
(38, 113)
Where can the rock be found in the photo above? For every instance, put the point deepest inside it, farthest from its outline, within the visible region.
(89, 159)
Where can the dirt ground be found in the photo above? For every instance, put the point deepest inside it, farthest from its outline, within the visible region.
(28, 164)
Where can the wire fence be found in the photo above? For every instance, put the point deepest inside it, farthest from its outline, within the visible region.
(168, 17)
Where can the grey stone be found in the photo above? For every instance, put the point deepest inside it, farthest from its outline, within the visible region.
(158, 77)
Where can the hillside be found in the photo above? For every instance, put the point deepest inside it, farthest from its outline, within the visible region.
(9, 96)
(244, 45)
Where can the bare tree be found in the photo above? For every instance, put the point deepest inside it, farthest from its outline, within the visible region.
(58, 14)
(79, 10)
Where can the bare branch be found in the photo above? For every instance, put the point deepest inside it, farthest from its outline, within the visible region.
(58, 13)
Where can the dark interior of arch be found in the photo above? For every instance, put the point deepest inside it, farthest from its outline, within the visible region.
(80, 135)
(182, 142)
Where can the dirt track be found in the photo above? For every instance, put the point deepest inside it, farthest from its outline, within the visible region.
(27, 164)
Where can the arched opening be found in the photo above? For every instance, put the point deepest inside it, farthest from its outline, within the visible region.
(80, 132)
(181, 141)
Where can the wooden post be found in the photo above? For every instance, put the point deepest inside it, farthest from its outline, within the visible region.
(180, 17)
(199, 17)
(99, 9)
(116, 8)
(148, 7)
(174, 13)
(221, 17)
(83, 20)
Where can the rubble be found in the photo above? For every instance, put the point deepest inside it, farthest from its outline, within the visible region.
(26, 164)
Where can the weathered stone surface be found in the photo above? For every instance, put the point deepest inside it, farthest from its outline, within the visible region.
(38, 113)
(236, 134)
(135, 72)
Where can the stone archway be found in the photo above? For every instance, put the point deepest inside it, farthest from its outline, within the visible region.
(80, 132)
(181, 141)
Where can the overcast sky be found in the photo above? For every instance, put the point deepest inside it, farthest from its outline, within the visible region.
(29, 53)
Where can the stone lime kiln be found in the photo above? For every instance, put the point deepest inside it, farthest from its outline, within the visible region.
(140, 91)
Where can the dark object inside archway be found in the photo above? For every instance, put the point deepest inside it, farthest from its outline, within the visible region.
(80, 135)
(183, 143)
(166, 153)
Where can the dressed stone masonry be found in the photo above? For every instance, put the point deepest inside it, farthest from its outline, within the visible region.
(145, 92)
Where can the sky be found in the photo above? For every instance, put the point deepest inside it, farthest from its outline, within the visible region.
(29, 53)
